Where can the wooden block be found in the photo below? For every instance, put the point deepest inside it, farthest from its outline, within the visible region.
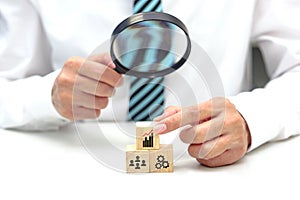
(162, 160)
(145, 138)
(137, 161)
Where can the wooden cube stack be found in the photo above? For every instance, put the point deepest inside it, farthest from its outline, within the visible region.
(148, 155)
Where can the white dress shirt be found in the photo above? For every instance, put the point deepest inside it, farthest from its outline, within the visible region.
(37, 36)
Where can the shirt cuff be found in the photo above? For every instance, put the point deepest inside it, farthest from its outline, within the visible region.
(44, 114)
(259, 116)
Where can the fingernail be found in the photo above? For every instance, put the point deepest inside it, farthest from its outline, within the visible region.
(159, 128)
(112, 65)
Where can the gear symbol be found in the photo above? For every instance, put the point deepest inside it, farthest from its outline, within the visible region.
(160, 158)
(158, 166)
(165, 164)
(161, 162)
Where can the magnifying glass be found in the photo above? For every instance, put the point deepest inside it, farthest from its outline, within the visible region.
(149, 45)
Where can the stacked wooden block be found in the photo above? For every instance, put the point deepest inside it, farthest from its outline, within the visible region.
(148, 155)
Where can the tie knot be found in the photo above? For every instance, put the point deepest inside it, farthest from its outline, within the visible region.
(147, 6)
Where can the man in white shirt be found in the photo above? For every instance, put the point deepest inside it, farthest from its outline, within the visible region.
(38, 70)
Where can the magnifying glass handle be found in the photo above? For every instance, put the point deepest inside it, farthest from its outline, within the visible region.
(117, 68)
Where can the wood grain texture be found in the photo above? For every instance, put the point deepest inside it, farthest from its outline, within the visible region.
(137, 161)
(145, 138)
(161, 160)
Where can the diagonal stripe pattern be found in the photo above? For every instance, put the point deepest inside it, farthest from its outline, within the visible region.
(147, 6)
(146, 95)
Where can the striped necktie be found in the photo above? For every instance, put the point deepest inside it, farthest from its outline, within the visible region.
(146, 95)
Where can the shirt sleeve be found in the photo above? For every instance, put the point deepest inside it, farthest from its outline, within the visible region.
(273, 112)
(25, 66)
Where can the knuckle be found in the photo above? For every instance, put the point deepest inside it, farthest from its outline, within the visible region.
(222, 144)
(193, 116)
(73, 62)
(233, 119)
(172, 109)
(170, 122)
(64, 96)
(168, 109)
(64, 79)
(227, 102)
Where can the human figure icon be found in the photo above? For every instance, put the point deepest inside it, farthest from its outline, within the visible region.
(137, 166)
(137, 159)
(131, 163)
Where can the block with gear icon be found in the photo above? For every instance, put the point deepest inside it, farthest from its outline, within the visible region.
(161, 160)
(147, 155)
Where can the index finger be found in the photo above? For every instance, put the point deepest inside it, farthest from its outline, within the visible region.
(100, 72)
(188, 116)
(104, 58)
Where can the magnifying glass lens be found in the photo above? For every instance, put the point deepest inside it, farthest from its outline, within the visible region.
(150, 48)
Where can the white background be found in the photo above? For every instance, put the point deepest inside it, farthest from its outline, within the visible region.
(55, 165)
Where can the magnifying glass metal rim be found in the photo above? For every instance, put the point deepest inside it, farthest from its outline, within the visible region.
(149, 16)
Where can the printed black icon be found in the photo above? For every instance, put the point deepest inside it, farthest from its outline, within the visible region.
(137, 163)
(148, 141)
(161, 162)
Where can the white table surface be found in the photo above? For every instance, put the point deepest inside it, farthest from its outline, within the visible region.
(56, 165)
